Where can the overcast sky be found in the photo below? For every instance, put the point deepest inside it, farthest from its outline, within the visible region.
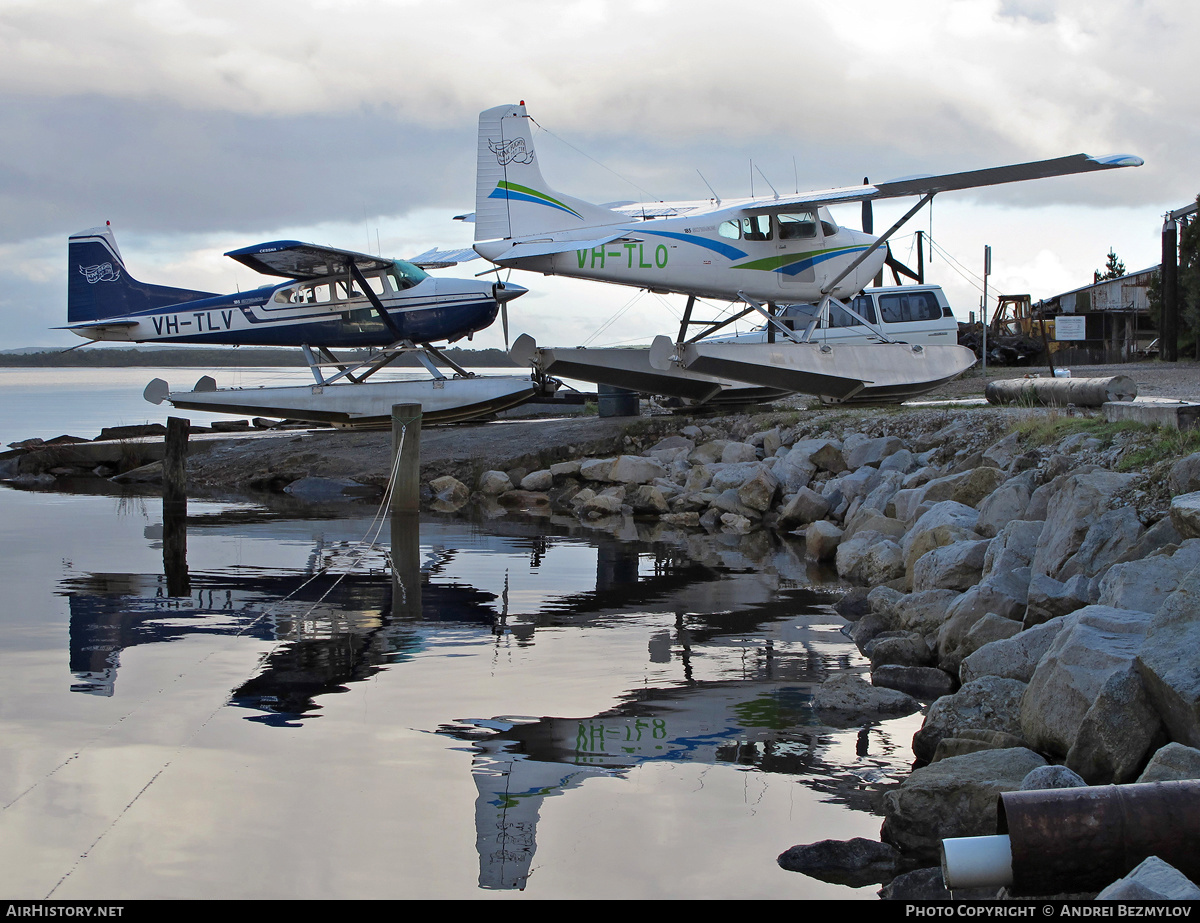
(199, 126)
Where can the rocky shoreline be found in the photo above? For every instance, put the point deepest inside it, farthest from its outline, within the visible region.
(1029, 577)
(1032, 576)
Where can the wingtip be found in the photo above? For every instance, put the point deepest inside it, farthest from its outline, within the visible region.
(1120, 160)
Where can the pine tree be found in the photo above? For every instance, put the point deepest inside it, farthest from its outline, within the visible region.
(1113, 269)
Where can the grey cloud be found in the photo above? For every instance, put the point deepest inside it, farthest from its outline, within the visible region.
(72, 162)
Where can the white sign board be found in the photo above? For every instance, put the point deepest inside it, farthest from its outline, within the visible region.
(1070, 328)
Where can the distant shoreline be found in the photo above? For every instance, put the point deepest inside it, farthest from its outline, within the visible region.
(241, 357)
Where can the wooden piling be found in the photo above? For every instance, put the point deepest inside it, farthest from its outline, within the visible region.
(175, 448)
(406, 563)
(175, 507)
(406, 441)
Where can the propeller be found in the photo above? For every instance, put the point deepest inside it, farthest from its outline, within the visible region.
(868, 218)
(504, 292)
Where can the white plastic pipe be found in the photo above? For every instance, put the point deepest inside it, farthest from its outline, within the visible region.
(976, 862)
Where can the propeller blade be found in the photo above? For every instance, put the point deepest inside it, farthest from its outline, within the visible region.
(868, 218)
(504, 321)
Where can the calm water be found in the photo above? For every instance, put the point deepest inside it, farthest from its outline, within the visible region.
(500, 709)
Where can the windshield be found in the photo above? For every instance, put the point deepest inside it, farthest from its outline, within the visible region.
(406, 275)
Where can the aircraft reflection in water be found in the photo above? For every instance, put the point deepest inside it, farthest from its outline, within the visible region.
(739, 651)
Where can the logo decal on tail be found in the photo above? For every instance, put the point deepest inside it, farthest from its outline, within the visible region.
(101, 272)
(513, 151)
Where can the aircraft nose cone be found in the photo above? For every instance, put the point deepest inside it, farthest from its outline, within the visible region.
(507, 291)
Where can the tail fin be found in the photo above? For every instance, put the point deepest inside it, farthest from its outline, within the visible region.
(98, 285)
(511, 197)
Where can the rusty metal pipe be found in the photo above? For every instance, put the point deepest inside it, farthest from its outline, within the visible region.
(1069, 840)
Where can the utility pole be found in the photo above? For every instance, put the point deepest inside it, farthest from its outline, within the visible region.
(987, 271)
(1168, 324)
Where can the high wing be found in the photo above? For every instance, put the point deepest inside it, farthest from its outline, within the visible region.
(910, 185)
(907, 186)
(293, 259)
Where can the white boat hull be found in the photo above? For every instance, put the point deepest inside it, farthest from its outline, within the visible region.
(634, 369)
(449, 400)
(863, 372)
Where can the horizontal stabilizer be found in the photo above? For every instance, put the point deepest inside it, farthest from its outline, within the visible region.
(441, 259)
(520, 249)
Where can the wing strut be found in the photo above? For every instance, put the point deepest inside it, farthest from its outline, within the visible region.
(357, 276)
(832, 283)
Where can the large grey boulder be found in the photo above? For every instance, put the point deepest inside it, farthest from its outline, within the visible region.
(925, 683)
(953, 797)
(596, 469)
(1184, 477)
(1002, 453)
(1014, 658)
(952, 567)
(1169, 663)
(1152, 880)
(969, 488)
(450, 492)
(1002, 594)
(902, 648)
(859, 450)
(1006, 503)
(990, 628)
(1050, 598)
(804, 506)
(1104, 544)
(856, 863)
(1095, 643)
(923, 612)
(1175, 762)
(1116, 733)
(990, 704)
(1147, 583)
(1185, 514)
(494, 483)
(635, 469)
(943, 524)
(1082, 500)
(868, 519)
(821, 540)
(869, 559)
(847, 698)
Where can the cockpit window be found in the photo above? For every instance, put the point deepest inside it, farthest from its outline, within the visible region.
(730, 229)
(756, 227)
(406, 275)
(799, 226)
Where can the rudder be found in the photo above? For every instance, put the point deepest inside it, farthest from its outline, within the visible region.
(512, 199)
(99, 286)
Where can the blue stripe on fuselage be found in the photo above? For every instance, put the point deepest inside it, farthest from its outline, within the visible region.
(800, 265)
(727, 251)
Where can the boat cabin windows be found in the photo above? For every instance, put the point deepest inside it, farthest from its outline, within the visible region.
(909, 306)
(799, 226)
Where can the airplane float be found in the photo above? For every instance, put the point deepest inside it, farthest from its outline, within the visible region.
(760, 252)
(330, 299)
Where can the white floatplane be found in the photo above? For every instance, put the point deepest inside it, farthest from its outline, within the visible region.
(761, 253)
(330, 299)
